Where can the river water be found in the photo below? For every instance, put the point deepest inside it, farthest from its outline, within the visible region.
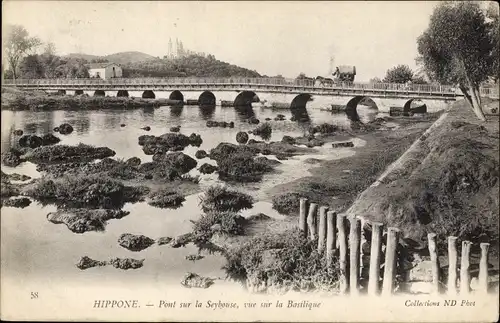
(34, 249)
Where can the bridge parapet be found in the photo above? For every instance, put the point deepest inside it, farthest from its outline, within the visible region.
(299, 85)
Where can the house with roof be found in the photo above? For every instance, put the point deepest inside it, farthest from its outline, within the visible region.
(104, 70)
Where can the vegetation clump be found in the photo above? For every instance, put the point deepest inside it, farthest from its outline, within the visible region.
(80, 220)
(64, 153)
(222, 199)
(176, 160)
(287, 204)
(166, 199)
(284, 261)
(207, 168)
(11, 158)
(134, 242)
(264, 130)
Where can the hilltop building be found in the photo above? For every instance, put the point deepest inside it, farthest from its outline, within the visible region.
(104, 70)
(176, 50)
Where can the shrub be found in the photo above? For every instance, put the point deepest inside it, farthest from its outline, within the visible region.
(287, 203)
(214, 221)
(283, 259)
(264, 130)
(166, 198)
(220, 198)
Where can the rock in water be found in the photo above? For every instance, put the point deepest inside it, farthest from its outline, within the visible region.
(83, 220)
(86, 262)
(30, 141)
(207, 168)
(242, 137)
(147, 128)
(18, 132)
(201, 154)
(11, 158)
(194, 257)
(133, 161)
(192, 280)
(65, 129)
(49, 139)
(343, 144)
(135, 242)
(166, 198)
(126, 263)
(20, 202)
(164, 240)
(182, 240)
(175, 129)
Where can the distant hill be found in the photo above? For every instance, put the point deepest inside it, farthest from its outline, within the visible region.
(118, 58)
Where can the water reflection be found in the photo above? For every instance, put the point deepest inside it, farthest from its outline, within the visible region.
(176, 111)
(206, 111)
(300, 115)
(244, 112)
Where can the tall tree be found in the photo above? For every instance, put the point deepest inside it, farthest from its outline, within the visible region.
(457, 48)
(399, 74)
(493, 14)
(17, 43)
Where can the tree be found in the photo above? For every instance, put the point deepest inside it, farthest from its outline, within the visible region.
(494, 31)
(17, 43)
(375, 80)
(457, 48)
(32, 67)
(399, 74)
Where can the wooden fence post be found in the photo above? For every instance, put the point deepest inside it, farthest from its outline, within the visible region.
(330, 236)
(376, 248)
(342, 237)
(390, 261)
(431, 237)
(464, 268)
(452, 265)
(483, 268)
(354, 242)
(303, 216)
(311, 220)
(322, 229)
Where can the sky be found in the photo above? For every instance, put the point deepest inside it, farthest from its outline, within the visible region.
(285, 37)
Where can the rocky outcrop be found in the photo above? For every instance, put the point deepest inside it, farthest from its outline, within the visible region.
(50, 139)
(20, 202)
(11, 158)
(133, 161)
(176, 160)
(168, 142)
(194, 257)
(200, 154)
(181, 240)
(192, 280)
(242, 137)
(135, 242)
(120, 263)
(66, 154)
(65, 129)
(31, 141)
(164, 240)
(87, 262)
(83, 220)
(343, 144)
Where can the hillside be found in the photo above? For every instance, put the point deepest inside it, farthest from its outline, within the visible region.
(193, 65)
(129, 57)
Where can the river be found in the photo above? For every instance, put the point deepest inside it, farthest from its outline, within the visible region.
(34, 249)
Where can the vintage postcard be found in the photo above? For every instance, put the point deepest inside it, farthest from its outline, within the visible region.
(276, 161)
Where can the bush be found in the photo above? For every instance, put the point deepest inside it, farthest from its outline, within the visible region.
(92, 191)
(220, 198)
(217, 222)
(287, 204)
(166, 198)
(285, 260)
(264, 130)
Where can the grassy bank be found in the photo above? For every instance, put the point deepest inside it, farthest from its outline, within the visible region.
(337, 183)
(17, 100)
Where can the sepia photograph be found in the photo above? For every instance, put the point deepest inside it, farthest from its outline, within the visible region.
(274, 161)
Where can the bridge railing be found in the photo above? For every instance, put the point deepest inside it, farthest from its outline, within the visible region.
(306, 83)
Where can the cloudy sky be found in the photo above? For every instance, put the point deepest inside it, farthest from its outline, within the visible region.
(271, 37)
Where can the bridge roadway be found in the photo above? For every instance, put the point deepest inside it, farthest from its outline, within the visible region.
(281, 92)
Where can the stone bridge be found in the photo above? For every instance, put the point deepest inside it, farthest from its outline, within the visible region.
(274, 92)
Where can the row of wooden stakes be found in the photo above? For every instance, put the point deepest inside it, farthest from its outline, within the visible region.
(331, 231)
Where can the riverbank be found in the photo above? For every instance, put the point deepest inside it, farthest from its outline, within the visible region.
(18, 100)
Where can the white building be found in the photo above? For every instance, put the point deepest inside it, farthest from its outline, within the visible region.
(104, 70)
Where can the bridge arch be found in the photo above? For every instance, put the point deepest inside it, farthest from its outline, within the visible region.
(78, 92)
(148, 94)
(176, 95)
(245, 98)
(407, 108)
(99, 93)
(206, 98)
(352, 105)
(122, 93)
(300, 101)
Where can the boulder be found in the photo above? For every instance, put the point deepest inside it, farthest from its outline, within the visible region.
(267, 161)
(65, 129)
(83, 220)
(49, 139)
(200, 154)
(177, 160)
(181, 240)
(19, 202)
(122, 125)
(195, 140)
(166, 199)
(147, 128)
(242, 137)
(343, 144)
(18, 132)
(288, 140)
(194, 257)
(135, 242)
(231, 124)
(31, 141)
(133, 161)
(192, 280)
(175, 129)
(126, 263)
(86, 263)
(258, 217)
(207, 168)
(11, 158)
(164, 240)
